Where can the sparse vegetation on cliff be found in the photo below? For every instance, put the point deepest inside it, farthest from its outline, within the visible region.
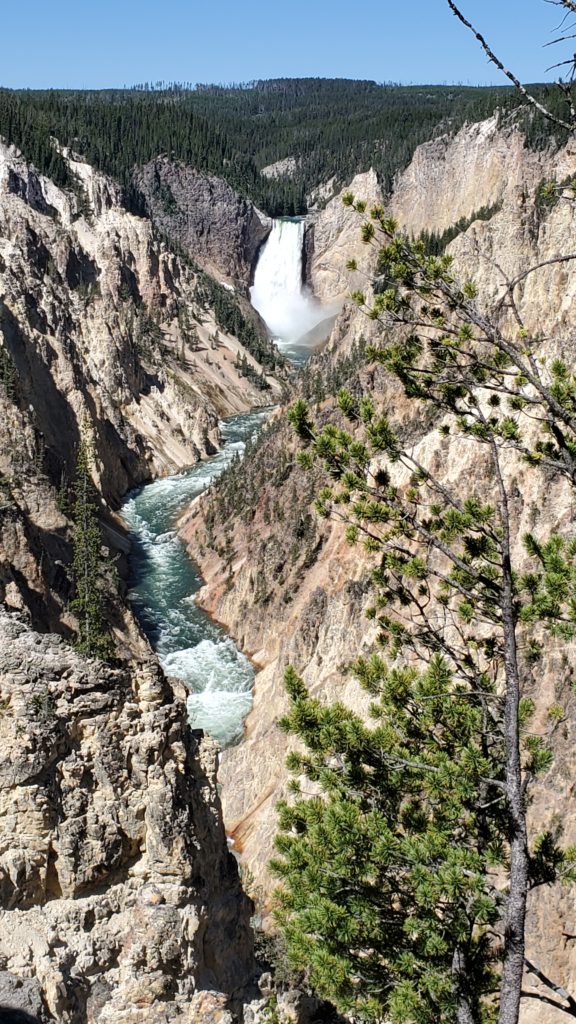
(8, 375)
(230, 318)
(88, 564)
(435, 243)
(269, 494)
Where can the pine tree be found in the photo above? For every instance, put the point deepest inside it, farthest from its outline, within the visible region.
(419, 828)
(368, 863)
(88, 562)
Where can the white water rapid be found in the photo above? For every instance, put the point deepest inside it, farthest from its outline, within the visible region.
(289, 309)
(164, 582)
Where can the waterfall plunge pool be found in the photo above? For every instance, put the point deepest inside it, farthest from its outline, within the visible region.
(163, 584)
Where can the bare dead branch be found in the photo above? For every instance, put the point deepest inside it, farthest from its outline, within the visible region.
(558, 990)
(568, 5)
(561, 39)
(546, 999)
(537, 266)
(566, 88)
(569, 126)
(562, 64)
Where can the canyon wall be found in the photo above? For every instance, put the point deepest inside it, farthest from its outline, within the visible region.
(334, 239)
(119, 899)
(109, 331)
(293, 592)
(222, 230)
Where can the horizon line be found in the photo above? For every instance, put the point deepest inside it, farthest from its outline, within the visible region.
(167, 86)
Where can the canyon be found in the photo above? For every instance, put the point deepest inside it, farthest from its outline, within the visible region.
(121, 898)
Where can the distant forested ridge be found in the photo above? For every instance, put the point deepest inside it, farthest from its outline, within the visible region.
(333, 127)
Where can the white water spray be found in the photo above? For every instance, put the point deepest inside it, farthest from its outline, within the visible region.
(288, 307)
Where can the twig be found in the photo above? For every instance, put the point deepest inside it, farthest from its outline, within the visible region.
(510, 74)
(556, 989)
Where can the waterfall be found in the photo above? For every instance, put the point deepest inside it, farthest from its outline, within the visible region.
(287, 306)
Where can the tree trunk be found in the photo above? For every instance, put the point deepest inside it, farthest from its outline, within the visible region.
(464, 1014)
(515, 917)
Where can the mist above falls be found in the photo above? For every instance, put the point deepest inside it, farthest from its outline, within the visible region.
(290, 310)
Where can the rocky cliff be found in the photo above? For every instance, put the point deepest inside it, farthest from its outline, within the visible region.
(102, 324)
(484, 165)
(333, 239)
(119, 899)
(222, 230)
(294, 592)
(291, 592)
(107, 334)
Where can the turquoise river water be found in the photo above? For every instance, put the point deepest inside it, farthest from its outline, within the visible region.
(164, 582)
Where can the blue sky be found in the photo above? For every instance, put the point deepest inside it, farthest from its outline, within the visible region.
(117, 42)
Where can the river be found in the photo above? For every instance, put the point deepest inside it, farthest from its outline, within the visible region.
(163, 585)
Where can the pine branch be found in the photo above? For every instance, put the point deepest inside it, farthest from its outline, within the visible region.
(537, 266)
